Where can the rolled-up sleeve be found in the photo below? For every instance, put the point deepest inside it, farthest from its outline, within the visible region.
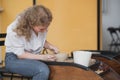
(14, 43)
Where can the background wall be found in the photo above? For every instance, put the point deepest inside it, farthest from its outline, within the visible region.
(74, 26)
(0, 12)
(11, 9)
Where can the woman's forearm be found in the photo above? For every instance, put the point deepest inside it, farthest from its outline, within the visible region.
(51, 47)
(47, 57)
(47, 45)
(27, 55)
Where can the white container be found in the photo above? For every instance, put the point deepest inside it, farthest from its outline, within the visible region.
(82, 57)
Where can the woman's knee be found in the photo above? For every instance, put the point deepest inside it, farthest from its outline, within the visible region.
(42, 68)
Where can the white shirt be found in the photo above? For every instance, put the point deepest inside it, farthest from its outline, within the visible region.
(18, 44)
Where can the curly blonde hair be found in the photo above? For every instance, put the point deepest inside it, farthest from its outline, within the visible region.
(37, 15)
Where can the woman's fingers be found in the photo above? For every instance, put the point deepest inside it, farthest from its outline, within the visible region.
(51, 57)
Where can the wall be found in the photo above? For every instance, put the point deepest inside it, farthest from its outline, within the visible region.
(0, 13)
(110, 18)
(74, 26)
(11, 9)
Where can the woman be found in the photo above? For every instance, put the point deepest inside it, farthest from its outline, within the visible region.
(25, 39)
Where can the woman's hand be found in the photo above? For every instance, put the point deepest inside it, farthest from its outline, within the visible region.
(51, 47)
(49, 57)
(54, 49)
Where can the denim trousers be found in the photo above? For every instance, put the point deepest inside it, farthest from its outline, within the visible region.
(26, 67)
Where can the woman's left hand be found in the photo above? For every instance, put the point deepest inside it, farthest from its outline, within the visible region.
(54, 49)
(51, 47)
(50, 57)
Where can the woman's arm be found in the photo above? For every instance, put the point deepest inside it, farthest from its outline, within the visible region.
(27, 55)
(51, 47)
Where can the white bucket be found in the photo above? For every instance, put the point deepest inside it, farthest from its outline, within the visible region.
(82, 57)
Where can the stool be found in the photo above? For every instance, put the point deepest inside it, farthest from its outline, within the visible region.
(6, 73)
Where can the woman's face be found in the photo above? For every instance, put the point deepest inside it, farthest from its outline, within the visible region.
(40, 29)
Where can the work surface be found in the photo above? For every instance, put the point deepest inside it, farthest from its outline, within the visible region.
(71, 71)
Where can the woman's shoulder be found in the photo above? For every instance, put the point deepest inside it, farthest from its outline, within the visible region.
(13, 25)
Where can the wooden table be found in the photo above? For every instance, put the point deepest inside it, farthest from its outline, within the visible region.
(71, 71)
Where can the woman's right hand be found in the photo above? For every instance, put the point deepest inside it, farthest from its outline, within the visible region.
(49, 57)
